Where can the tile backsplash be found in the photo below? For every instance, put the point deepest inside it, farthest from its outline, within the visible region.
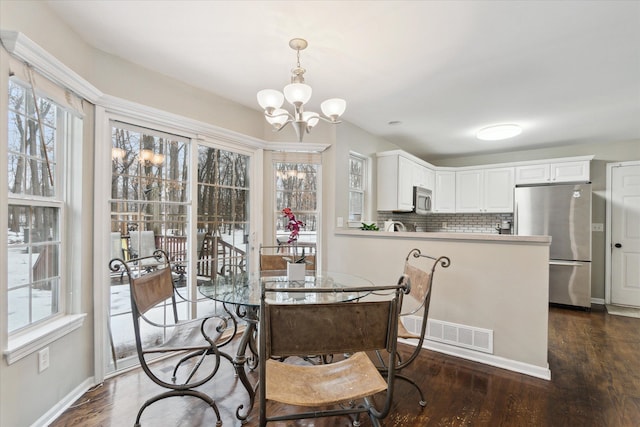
(449, 222)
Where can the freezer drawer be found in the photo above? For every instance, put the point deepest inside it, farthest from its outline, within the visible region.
(570, 283)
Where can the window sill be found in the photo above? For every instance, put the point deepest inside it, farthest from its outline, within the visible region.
(30, 342)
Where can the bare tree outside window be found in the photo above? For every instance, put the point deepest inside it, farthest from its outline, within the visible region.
(296, 188)
(36, 129)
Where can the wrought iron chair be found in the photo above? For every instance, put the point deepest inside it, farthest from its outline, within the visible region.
(419, 283)
(342, 388)
(274, 258)
(153, 297)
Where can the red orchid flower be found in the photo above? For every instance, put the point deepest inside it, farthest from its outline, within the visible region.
(293, 225)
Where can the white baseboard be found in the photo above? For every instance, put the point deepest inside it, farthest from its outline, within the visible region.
(52, 414)
(597, 301)
(487, 359)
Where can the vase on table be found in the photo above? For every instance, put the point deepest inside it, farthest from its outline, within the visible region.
(296, 271)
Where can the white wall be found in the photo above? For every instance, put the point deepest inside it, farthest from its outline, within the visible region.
(498, 285)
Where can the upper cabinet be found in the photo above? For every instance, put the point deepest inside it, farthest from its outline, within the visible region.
(547, 173)
(398, 172)
(444, 193)
(484, 190)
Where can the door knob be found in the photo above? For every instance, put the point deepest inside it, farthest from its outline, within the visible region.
(618, 245)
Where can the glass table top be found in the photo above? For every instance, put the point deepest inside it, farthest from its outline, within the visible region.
(244, 289)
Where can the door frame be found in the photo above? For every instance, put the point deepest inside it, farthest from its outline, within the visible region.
(608, 241)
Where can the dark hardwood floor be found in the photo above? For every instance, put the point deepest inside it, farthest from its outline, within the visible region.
(594, 359)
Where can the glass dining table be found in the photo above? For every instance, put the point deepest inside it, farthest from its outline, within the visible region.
(240, 296)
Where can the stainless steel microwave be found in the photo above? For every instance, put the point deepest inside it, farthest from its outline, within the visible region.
(422, 200)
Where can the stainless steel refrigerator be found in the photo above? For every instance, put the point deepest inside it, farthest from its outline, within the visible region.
(562, 211)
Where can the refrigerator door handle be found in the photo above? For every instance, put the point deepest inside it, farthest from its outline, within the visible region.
(567, 263)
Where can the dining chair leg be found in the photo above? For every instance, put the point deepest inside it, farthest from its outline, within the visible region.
(422, 401)
(174, 393)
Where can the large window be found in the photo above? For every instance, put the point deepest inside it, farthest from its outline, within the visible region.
(296, 185)
(37, 132)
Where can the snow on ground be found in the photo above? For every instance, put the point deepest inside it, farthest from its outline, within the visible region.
(20, 263)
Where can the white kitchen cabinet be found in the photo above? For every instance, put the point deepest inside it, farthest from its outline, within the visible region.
(423, 176)
(499, 184)
(570, 171)
(545, 173)
(444, 192)
(395, 183)
(397, 174)
(485, 190)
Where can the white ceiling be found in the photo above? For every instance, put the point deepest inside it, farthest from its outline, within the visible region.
(567, 72)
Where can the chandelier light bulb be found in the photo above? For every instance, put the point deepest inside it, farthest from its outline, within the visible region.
(158, 159)
(278, 118)
(270, 99)
(310, 118)
(333, 108)
(297, 93)
(145, 155)
(117, 153)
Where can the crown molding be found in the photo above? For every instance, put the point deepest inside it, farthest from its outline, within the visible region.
(24, 49)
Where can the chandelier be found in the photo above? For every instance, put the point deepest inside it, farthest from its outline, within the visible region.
(297, 93)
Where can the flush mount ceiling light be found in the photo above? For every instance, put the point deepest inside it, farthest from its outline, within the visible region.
(297, 94)
(498, 132)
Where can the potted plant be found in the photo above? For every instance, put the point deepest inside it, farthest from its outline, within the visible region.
(296, 265)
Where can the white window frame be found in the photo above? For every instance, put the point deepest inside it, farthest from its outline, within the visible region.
(362, 191)
(27, 340)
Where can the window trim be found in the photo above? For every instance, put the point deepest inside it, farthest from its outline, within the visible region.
(23, 344)
(364, 191)
(49, 73)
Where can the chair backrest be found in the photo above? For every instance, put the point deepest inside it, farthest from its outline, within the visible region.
(421, 280)
(420, 283)
(328, 328)
(274, 258)
(332, 328)
(151, 288)
(143, 243)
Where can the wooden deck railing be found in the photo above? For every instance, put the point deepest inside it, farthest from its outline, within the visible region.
(214, 256)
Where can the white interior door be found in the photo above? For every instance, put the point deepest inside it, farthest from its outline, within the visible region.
(625, 234)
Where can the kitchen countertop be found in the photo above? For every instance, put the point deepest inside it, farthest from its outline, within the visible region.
(421, 235)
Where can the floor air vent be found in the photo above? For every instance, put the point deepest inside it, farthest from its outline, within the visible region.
(454, 334)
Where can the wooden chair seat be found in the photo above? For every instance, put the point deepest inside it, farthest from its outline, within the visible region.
(323, 385)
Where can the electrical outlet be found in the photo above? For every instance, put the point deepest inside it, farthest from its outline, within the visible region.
(43, 359)
(444, 225)
(340, 222)
(597, 226)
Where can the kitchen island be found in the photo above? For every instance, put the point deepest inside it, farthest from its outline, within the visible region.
(491, 304)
